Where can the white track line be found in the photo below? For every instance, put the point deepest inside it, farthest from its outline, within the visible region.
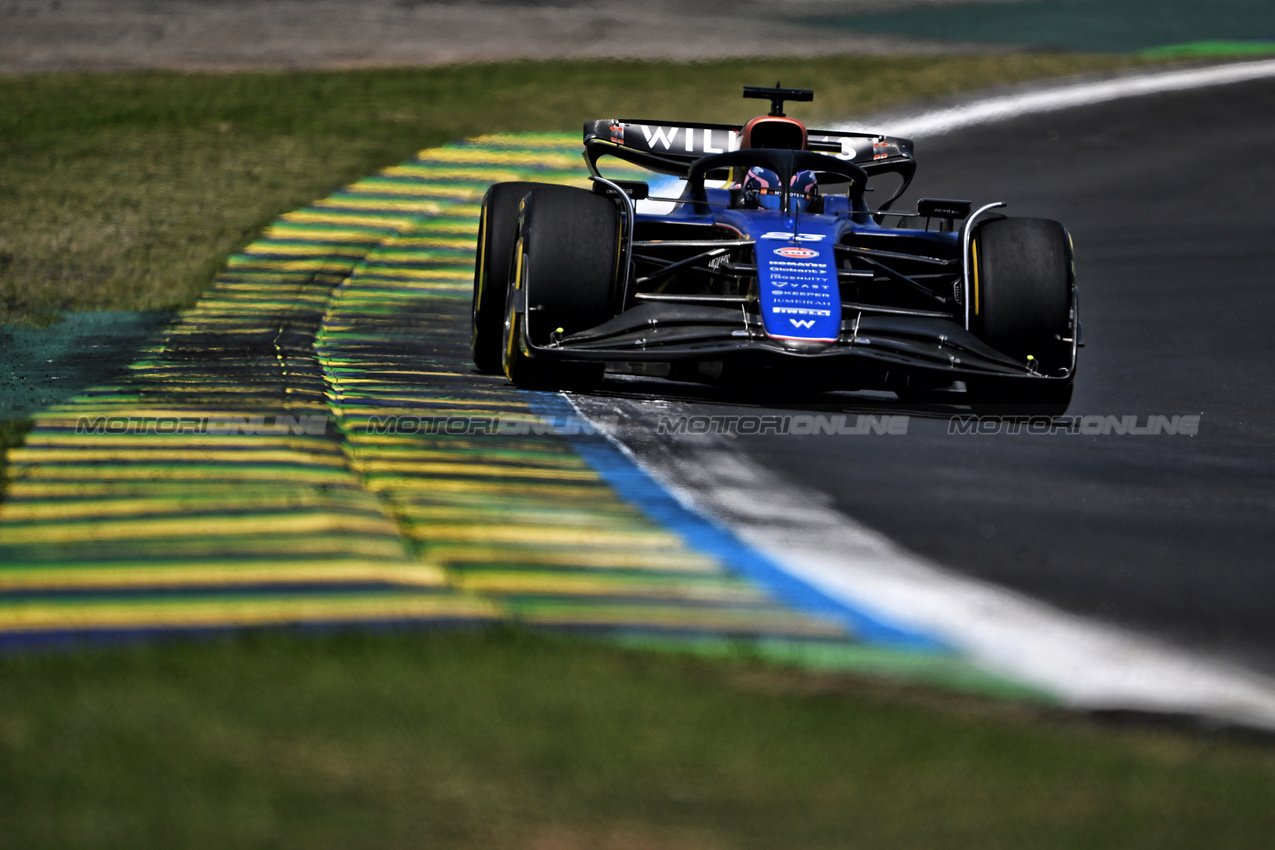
(1067, 96)
(1084, 663)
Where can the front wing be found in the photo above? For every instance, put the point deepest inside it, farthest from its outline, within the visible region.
(868, 348)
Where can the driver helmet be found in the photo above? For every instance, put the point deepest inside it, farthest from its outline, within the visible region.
(805, 183)
(762, 187)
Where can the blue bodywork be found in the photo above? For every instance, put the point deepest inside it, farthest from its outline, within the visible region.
(798, 286)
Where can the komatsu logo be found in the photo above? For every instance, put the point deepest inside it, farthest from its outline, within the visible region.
(796, 253)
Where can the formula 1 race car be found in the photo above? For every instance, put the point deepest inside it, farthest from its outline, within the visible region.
(766, 264)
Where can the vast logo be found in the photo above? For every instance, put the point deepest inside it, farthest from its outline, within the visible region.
(796, 253)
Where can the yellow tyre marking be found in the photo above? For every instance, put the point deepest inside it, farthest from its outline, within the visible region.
(974, 249)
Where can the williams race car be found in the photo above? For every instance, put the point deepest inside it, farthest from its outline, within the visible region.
(768, 264)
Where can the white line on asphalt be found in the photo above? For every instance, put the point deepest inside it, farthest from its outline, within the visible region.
(938, 121)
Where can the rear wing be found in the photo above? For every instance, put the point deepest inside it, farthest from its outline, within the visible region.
(669, 148)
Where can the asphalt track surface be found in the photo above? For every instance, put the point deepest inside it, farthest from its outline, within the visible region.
(1167, 197)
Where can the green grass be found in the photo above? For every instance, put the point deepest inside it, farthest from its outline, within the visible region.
(515, 740)
(1215, 48)
(128, 190)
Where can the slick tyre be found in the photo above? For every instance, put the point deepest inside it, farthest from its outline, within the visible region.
(1022, 306)
(497, 231)
(1022, 284)
(564, 279)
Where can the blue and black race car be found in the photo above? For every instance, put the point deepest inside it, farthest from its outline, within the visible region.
(766, 262)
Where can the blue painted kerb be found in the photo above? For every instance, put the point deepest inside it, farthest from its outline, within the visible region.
(702, 534)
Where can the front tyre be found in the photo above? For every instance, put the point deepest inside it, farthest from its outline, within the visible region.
(1022, 306)
(565, 278)
(497, 230)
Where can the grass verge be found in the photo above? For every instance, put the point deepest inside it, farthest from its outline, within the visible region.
(127, 191)
(514, 740)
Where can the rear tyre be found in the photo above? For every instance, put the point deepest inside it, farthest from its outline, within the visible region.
(1023, 307)
(497, 230)
(564, 279)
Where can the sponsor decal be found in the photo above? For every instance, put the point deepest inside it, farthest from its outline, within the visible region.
(794, 237)
(692, 142)
(661, 135)
(796, 253)
(799, 286)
